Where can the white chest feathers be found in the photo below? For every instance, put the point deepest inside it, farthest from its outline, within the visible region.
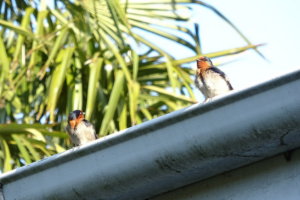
(212, 84)
(82, 134)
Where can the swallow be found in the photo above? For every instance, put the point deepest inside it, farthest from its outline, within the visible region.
(210, 80)
(80, 130)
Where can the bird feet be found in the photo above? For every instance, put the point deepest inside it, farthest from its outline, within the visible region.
(207, 100)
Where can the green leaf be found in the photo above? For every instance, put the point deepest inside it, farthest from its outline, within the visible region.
(210, 55)
(22, 148)
(135, 58)
(134, 91)
(112, 8)
(21, 37)
(37, 134)
(170, 73)
(17, 29)
(113, 102)
(58, 79)
(7, 155)
(14, 100)
(4, 65)
(117, 55)
(169, 94)
(39, 33)
(77, 95)
(58, 43)
(17, 128)
(31, 149)
(146, 113)
(94, 75)
(122, 110)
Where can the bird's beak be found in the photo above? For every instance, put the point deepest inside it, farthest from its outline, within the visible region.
(84, 113)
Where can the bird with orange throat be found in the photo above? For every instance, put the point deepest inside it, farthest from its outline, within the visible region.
(80, 130)
(210, 80)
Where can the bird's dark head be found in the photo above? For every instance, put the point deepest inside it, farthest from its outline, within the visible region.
(76, 114)
(204, 62)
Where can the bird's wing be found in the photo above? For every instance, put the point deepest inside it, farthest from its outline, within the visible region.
(222, 74)
(90, 125)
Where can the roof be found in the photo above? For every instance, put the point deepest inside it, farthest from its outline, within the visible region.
(180, 148)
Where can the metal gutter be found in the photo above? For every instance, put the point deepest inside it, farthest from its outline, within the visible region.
(171, 151)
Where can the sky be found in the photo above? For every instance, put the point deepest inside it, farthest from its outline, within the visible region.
(273, 22)
(276, 23)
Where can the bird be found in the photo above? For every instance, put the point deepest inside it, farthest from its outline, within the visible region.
(210, 80)
(80, 130)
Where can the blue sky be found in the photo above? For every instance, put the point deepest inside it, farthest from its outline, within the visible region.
(276, 23)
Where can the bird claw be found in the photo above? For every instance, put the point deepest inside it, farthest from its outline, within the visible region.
(207, 100)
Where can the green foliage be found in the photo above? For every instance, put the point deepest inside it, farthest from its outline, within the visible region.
(54, 61)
